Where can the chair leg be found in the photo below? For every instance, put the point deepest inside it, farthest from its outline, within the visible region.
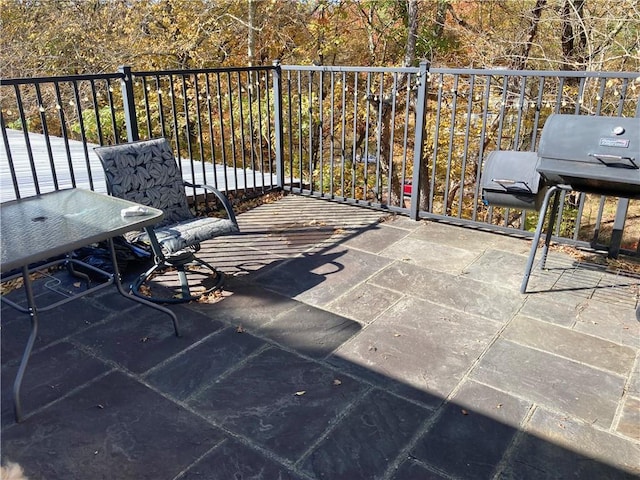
(184, 283)
(183, 273)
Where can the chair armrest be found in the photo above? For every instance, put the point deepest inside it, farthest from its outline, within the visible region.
(219, 195)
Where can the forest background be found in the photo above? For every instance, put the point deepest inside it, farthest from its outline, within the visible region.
(62, 37)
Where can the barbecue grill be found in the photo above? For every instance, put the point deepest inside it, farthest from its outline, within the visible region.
(592, 154)
(589, 154)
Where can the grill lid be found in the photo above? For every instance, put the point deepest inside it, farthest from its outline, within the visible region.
(592, 154)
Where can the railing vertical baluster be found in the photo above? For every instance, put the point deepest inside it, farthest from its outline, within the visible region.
(12, 167)
(392, 126)
(187, 134)
(174, 113)
(112, 112)
(300, 138)
(83, 136)
(203, 160)
(377, 189)
(483, 143)
(343, 133)
(405, 137)
(212, 141)
(320, 133)
(96, 111)
(311, 128)
(253, 138)
(332, 97)
(64, 133)
(47, 140)
(452, 131)
(27, 141)
(232, 131)
(221, 123)
(161, 115)
(275, 156)
(147, 111)
(278, 74)
(465, 150)
(355, 135)
(436, 150)
(243, 151)
(520, 105)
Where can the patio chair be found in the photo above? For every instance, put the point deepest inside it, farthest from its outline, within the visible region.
(146, 172)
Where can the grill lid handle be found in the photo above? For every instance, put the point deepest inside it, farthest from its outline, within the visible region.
(615, 160)
(506, 181)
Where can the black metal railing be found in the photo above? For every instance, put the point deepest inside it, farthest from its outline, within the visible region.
(407, 140)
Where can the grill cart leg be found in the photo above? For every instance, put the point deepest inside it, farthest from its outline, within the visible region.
(536, 238)
(552, 220)
(618, 227)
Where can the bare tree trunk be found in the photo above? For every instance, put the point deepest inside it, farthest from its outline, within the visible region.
(441, 15)
(412, 32)
(521, 57)
(573, 44)
(251, 40)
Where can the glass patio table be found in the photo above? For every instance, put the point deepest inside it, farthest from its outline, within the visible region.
(36, 229)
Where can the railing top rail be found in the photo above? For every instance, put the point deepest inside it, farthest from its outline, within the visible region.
(59, 79)
(535, 73)
(201, 71)
(338, 68)
(328, 68)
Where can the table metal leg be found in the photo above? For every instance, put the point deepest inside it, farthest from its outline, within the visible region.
(33, 316)
(135, 298)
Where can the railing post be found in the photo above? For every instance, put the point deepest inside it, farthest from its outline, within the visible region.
(277, 110)
(131, 121)
(421, 104)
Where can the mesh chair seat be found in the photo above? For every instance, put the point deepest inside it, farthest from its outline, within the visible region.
(146, 172)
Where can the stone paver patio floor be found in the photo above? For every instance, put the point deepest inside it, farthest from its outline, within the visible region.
(345, 346)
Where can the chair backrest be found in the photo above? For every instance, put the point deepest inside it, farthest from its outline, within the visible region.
(146, 172)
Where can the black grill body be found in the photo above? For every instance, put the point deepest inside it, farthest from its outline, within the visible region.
(510, 179)
(591, 154)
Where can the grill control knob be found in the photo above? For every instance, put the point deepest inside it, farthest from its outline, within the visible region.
(619, 130)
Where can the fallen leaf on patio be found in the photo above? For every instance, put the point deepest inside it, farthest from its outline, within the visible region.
(77, 284)
(300, 393)
(240, 329)
(337, 382)
(464, 412)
